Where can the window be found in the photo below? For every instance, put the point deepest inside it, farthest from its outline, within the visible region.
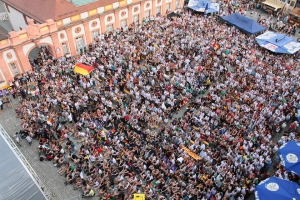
(79, 42)
(123, 23)
(14, 68)
(64, 48)
(147, 14)
(158, 10)
(81, 48)
(109, 28)
(25, 19)
(95, 34)
(168, 7)
(292, 4)
(177, 3)
(136, 19)
(7, 8)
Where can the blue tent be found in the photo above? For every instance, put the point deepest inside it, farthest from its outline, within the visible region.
(278, 43)
(290, 154)
(243, 23)
(276, 188)
(204, 5)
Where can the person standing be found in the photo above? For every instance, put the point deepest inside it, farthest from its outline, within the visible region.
(13, 93)
(23, 93)
(17, 138)
(11, 84)
(29, 140)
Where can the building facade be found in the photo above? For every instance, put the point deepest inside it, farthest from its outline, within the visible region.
(73, 33)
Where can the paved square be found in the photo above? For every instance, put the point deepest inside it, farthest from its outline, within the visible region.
(45, 170)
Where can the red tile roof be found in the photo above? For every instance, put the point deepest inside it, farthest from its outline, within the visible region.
(41, 10)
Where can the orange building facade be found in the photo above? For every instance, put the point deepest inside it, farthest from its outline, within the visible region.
(70, 34)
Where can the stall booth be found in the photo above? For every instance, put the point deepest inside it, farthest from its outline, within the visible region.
(295, 17)
(273, 6)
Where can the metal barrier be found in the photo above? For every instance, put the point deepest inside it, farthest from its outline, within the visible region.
(14, 147)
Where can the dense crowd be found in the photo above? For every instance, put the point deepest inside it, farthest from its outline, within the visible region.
(277, 24)
(182, 108)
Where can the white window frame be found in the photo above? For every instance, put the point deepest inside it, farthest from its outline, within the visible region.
(95, 33)
(64, 48)
(14, 68)
(168, 7)
(177, 3)
(136, 19)
(147, 14)
(158, 8)
(123, 23)
(80, 43)
(110, 28)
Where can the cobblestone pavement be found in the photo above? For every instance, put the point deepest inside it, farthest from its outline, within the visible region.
(47, 173)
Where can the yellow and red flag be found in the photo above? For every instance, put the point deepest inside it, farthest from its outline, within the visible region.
(83, 69)
(216, 46)
(50, 121)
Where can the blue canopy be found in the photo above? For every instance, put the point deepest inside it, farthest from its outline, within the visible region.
(276, 188)
(290, 154)
(243, 23)
(278, 43)
(204, 5)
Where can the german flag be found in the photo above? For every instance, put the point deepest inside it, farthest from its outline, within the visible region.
(216, 46)
(126, 91)
(83, 69)
(50, 121)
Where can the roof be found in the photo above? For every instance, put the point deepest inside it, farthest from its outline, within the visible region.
(3, 33)
(295, 12)
(16, 181)
(41, 10)
(273, 4)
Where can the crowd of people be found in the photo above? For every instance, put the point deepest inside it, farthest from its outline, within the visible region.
(182, 108)
(276, 24)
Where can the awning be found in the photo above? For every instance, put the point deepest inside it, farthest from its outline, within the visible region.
(273, 5)
(295, 12)
(5, 87)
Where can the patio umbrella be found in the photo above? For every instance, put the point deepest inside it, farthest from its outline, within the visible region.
(289, 154)
(276, 188)
(83, 69)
